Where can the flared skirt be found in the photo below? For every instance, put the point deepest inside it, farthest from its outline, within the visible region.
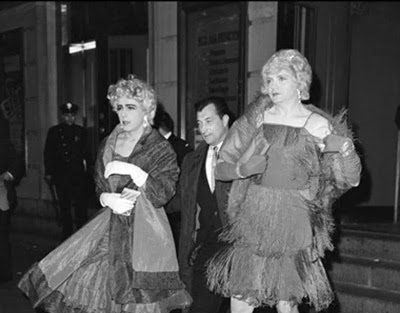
(74, 278)
(270, 256)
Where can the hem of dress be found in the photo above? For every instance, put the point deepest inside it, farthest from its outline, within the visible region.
(228, 275)
(35, 286)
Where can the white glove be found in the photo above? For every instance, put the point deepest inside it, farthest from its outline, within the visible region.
(117, 167)
(116, 203)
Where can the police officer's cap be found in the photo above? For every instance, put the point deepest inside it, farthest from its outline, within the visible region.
(69, 108)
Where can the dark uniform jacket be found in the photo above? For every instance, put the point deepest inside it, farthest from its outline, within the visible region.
(65, 150)
(186, 201)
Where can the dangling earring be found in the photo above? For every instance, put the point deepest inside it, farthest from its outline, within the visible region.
(145, 122)
(299, 94)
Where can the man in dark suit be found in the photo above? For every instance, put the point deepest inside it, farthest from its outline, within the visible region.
(165, 125)
(65, 160)
(11, 171)
(202, 203)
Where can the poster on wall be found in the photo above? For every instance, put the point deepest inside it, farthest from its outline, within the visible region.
(214, 59)
(12, 86)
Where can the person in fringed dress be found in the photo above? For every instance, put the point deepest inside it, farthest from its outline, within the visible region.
(288, 162)
(124, 259)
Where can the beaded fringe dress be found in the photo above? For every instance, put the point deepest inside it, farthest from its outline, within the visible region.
(280, 221)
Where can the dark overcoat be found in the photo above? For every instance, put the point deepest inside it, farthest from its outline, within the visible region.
(185, 201)
(65, 151)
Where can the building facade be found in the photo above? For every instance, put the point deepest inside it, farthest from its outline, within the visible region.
(188, 50)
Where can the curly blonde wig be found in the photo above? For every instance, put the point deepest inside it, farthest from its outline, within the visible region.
(136, 89)
(294, 61)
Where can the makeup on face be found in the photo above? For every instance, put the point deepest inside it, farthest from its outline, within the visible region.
(130, 114)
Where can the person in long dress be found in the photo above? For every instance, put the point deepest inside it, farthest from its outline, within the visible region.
(124, 259)
(288, 162)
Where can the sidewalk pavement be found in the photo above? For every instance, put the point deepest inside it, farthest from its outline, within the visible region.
(26, 250)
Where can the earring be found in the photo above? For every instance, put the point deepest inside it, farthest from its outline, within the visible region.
(145, 122)
(299, 94)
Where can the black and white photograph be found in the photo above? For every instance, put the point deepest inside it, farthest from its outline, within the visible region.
(199, 157)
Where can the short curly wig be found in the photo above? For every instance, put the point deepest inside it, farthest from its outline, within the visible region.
(294, 61)
(136, 89)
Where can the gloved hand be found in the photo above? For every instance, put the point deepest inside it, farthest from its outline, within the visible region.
(228, 171)
(116, 203)
(255, 165)
(117, 167)
(335, 143)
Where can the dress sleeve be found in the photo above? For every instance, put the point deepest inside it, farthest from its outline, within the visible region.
(160, 185)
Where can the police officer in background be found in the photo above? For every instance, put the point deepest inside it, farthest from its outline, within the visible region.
(65, 160)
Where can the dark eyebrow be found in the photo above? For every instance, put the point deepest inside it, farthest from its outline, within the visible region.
(128, 104)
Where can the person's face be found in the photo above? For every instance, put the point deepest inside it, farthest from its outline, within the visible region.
(69, 118)
(130, 114)
(212, 127)
(281, 86)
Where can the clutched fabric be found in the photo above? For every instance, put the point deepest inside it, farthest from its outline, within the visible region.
(153, 244)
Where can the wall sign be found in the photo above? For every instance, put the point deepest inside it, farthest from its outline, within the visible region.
(211, 59)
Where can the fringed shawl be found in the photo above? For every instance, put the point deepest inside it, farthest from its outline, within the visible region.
(245, 138)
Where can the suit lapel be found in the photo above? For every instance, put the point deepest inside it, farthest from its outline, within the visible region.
(198, 161)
